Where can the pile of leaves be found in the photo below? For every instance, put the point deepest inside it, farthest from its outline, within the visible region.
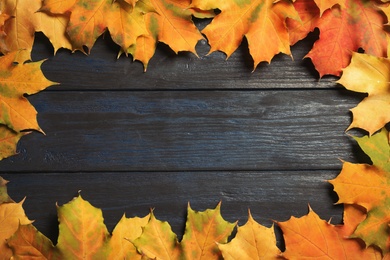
(353, 44)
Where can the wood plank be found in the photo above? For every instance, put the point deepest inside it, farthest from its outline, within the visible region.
(101, 69)
(274, 195)
(188, 130)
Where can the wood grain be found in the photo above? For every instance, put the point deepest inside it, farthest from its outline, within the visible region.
(185, 131)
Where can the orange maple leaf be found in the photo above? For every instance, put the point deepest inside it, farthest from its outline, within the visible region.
(262, 22)
(310, 237)
(342, 30)
(367, 186)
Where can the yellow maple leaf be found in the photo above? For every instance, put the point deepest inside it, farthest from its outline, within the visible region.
(16, 81)
(252, 241)
(165, 244)
(203, 231)
(126, 231)
(369, 74)
(54, 27)
(82, 232)
(127, 23)
(262, 22)
(11, 216)
(20, 28)
(87, 22)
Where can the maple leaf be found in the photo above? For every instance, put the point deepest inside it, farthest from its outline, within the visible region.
(126, 23)
(203, 231)
(28, 243)
(309, 14)
(16, 81)
(82, 232)
(252, 241)
(57, 6)
(54, 27)
(262, 22)
(369, 74)
(172, 24)
(11, 216)
(127, 229)
(323, 5)
(310, 237)
(87, 22)
(20, 28)
(4, 197)
(342, 30)
(367, 186)
(165, 245)
(8, 141)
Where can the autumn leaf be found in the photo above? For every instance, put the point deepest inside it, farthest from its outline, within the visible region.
(323, 5)
(369, 74)
(165, 244)
(310, 237)
(11, 215)
(82, 232)
(262, 23)
(54, 27)
(8, 141)
(342, 30)
(16, 81)
(20, 28)
(367, 186)
(28, 243)
(309, 14)
(126, 231)
(4, 197)
(126, 23)
(252, 241)
(57, 6)
(172, 24)
(203, 231)
(87, 22)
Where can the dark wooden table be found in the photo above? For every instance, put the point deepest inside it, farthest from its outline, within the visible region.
(188, 130)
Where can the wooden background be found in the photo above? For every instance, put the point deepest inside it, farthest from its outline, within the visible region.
(198, 130)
